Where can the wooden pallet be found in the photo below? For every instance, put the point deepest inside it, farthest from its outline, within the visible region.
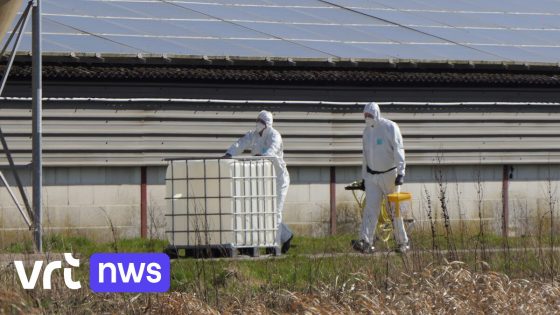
(217, 251)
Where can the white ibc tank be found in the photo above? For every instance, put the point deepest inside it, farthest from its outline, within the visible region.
(221, 202)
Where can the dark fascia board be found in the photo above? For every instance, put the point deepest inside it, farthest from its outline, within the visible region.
(192, 60)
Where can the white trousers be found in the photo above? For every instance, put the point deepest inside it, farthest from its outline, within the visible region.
(282, 185)
(377, 188)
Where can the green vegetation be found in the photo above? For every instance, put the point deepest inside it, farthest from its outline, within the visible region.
(59, 243)
(321, 274)
(310, 262)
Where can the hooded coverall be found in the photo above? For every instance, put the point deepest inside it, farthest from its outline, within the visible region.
(384, 154)
(269, 144)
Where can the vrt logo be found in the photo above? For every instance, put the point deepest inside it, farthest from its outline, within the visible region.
(29, 283)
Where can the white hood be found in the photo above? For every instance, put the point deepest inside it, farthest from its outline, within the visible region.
(373, 109)
(266, 116)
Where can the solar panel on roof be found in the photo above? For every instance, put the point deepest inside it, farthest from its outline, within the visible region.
(550, 54)
(349, 50)
(461, 36)
(224, 29)
(399, 17)
(274, 14)
(338, 15)
(274, 48)
(547, 21)
(95, 8)
(404, 35)
(455, 5)
(404, 5)
(87, 43)
(509, 20)
(158, 10)
(522, 6)
(348, 33)
(516, 53)
(454, 52)
(159, 28)
(548, 37)
(228, 2)
(92, 25)
(298, 3)
(224, 12)
(318, 32)
(414, 5)
(456, 19)
(413, 29)
(287, 31)
(158, 45)
(512, 37)
(53, 27)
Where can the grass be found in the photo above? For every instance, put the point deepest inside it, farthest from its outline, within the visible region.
(427, 281)
(301, 245)
(298, 269)
(85, 247)
(297, 284)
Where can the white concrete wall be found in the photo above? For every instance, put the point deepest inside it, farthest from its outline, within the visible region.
(307, 207)
(156, 202)
(477, 190)
(469, 191)
(77, 198)
(81, 200)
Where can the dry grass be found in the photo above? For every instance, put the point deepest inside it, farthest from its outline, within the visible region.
(448, 288)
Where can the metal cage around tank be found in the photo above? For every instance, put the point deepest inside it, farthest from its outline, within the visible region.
(218, 204)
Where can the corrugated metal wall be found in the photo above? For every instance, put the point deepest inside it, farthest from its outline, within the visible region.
(79, 132)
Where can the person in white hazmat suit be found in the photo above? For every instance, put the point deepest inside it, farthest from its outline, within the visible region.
(267, 141)
(383, 169)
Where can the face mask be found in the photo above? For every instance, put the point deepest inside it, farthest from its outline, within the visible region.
(369, 121)
(260, 127)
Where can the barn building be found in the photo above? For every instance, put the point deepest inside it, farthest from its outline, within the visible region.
(475, 88)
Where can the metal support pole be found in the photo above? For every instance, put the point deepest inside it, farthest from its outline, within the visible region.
(333, 201)
(505, 200)
(37, 160)
(143, 202)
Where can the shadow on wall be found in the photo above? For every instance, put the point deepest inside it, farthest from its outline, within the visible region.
(309, 174)
(87, 175)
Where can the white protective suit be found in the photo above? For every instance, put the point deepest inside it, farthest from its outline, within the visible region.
(383, 150)
(269, 144)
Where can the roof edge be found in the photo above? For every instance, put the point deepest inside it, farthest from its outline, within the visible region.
(363, 63)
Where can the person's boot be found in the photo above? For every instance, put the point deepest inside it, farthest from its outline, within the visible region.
(362, 246)
(402, 248)
(286, 245)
